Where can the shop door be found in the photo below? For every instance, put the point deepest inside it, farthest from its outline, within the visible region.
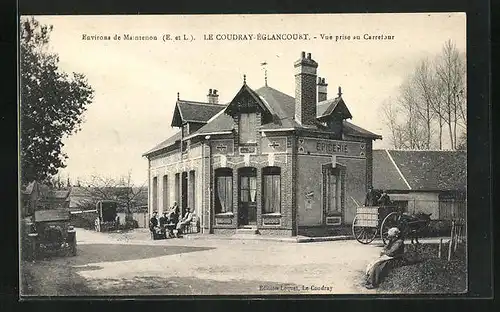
(247, 213)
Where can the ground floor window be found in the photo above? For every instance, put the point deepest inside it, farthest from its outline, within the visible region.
(165, 193)
(155, 194)
(223, 190)
(271, 189)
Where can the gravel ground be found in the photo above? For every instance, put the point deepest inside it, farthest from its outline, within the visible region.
(130, 263)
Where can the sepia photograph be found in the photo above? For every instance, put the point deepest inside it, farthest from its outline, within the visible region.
(273, 154)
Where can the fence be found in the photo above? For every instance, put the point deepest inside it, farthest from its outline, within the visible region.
(140, 217)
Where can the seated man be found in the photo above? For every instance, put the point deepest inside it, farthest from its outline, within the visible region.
(153, 224)
(389, 257)
(173, 214)
(183, 222)
(163, 219)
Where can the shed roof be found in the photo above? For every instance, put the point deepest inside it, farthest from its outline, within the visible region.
(422, 170)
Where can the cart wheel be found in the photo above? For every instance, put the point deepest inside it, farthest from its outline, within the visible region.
(390, 221)
(363, 234)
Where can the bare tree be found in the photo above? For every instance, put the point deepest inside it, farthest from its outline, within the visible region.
(121, 190)
(432, 96)
(451, 73)
(425, 86)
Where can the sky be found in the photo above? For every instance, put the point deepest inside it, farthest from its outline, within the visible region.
(136, 82)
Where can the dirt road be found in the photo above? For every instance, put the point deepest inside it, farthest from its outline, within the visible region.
(132, 264)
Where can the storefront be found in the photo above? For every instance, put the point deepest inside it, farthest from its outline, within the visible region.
(266, 162)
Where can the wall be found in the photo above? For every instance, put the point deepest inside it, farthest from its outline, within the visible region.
(426, 202)
(309, 179)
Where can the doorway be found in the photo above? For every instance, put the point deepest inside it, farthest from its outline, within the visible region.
(247, 204)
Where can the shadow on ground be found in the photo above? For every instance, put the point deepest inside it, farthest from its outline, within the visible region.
(172, 286)
(57, 276)
(95, 253)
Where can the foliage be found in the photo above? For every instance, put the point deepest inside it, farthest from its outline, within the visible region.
(52, 103)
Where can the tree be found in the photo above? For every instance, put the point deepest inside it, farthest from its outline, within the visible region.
(432, 95)
(122, 190)
(451, 75)
(52, 103)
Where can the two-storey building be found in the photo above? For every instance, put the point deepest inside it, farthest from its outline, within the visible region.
(266, 160)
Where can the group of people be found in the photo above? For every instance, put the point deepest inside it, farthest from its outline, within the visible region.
(170, 218)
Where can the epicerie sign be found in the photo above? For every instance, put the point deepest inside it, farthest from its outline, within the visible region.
(330, 147)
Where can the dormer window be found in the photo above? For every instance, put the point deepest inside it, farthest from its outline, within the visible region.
(247, 128)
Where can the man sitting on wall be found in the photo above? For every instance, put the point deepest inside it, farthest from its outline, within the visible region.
(184, 222)
(390, 257)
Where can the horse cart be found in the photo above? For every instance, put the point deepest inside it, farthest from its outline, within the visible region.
(377, 220)
(372, 221)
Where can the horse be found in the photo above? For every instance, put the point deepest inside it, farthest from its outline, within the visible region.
(413, 225)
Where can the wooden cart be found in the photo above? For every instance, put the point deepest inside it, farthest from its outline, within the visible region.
(370, 221)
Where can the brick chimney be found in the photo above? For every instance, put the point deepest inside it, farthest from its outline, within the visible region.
(212, 96)
(305, 89)
(322, 89)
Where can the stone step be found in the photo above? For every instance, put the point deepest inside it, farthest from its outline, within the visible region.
(250, 231)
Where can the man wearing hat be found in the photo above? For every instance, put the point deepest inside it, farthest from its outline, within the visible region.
(163, 219)
(392, 252)
(153, 224)
(186, 220)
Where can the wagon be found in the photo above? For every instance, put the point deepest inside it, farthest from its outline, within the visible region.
(372, 221)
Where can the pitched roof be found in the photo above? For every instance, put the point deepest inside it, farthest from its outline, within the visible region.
(333, 105)
(422, 170)
(46, 191)
(191, 111)
(279, 104)
(168, 142)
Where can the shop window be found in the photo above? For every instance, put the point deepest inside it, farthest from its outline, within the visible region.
(247, 129)
(333, 190)
(223, 190)
(271, 189)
